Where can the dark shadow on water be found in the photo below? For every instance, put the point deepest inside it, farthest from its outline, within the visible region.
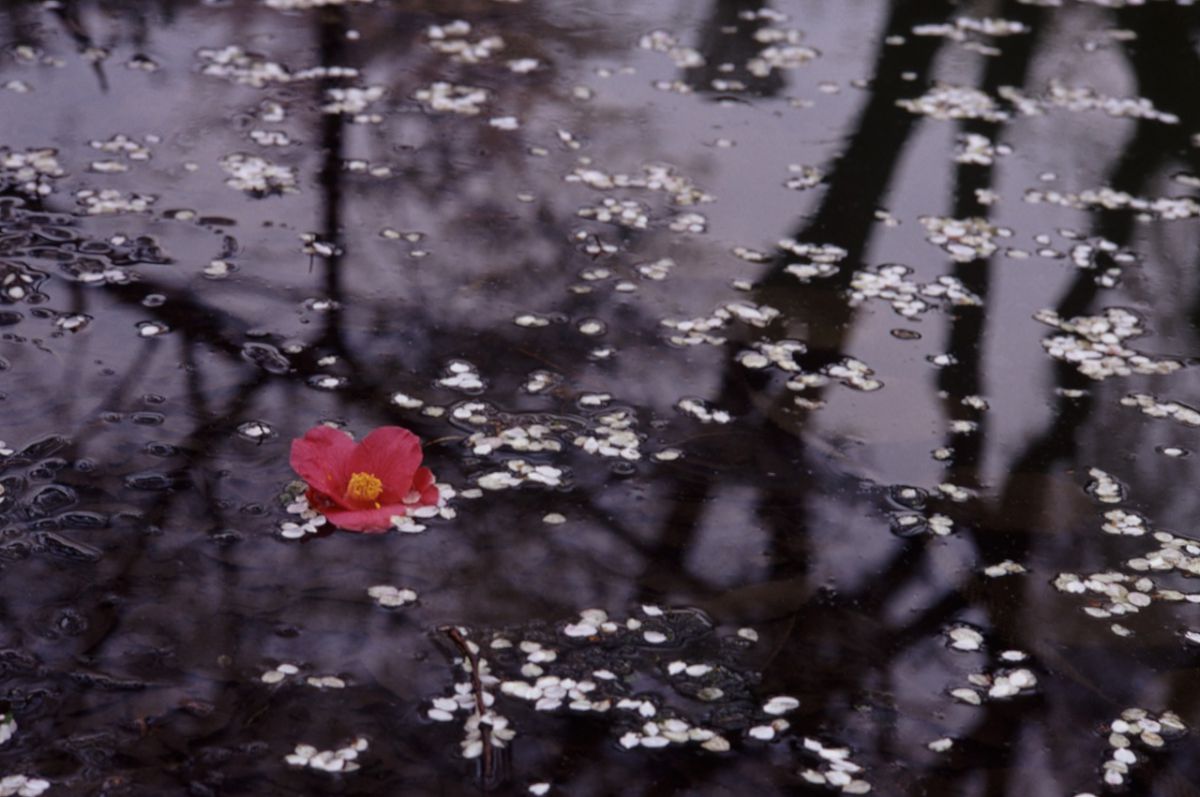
(148, 589)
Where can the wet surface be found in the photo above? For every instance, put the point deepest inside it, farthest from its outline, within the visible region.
(812, 385)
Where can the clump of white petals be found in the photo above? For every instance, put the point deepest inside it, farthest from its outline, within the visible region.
(107, 201)
(341, 760)
(443, 97)
(312, 519)
(22, 786)
(945, 101)
(390, 597)
(614, 434)
(33, 171)
(907, 297)
(1095, 344)
(1141, 726)
(694, 331)
(1152, 406)
(258, 176)
(518, 472)
(702, 411)
(964, 239)
(452, 39)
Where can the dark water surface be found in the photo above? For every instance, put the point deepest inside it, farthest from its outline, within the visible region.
(855, 341)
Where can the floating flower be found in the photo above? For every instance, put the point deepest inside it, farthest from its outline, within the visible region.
(360, 487)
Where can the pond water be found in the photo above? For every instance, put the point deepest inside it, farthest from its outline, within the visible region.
(810, 385)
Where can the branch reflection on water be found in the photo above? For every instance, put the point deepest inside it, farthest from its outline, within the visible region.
(777, 521)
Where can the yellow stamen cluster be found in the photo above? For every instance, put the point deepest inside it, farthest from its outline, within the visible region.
(364, 487)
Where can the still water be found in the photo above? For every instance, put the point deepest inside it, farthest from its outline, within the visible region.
(811, 386)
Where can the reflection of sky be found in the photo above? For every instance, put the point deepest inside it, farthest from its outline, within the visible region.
(796, 480)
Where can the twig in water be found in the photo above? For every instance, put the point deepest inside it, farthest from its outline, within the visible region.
(460, 641)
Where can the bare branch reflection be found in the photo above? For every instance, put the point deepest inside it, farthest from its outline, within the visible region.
(149, 589)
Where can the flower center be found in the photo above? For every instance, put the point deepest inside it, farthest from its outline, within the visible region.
(364, 487)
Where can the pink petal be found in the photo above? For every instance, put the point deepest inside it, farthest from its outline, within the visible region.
(392, 454)
(368, 521)
(430, 496)
(421, 479)
(321, 458)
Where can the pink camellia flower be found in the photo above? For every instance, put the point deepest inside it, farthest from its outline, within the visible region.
(361, 486)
